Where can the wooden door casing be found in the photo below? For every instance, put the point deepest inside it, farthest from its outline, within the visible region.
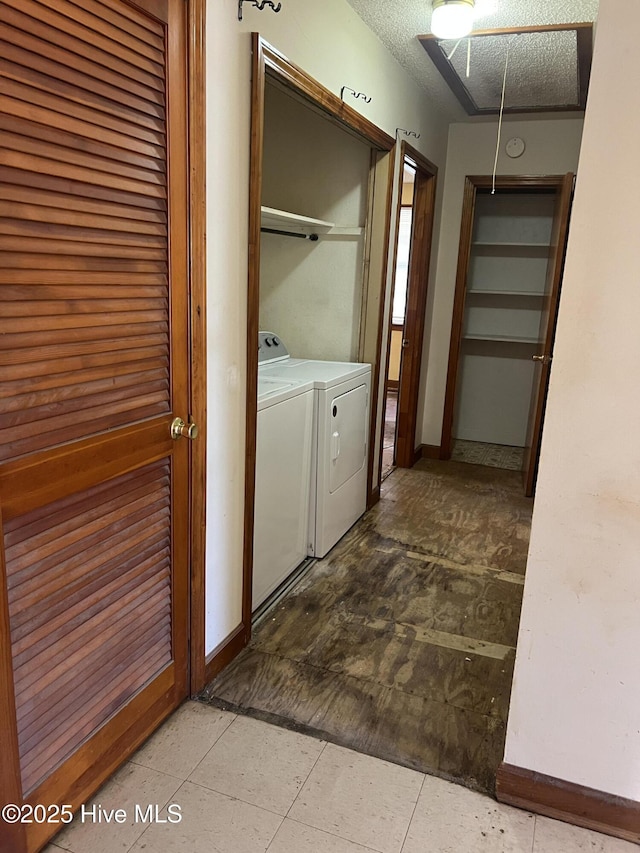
(94, 493)
(420, 254)
(547, 331)
(557, 184)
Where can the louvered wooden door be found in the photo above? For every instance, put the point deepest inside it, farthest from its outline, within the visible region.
(93, 368)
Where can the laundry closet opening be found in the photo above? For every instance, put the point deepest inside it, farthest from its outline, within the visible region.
(318, 229)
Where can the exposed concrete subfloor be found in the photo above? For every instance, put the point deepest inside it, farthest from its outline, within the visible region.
(401, 642)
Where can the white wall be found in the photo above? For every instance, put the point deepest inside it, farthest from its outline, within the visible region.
(331, 43)
(552, 149)
(575, 708)
(311, 292)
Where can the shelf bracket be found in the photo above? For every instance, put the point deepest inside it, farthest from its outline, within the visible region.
(259, 4)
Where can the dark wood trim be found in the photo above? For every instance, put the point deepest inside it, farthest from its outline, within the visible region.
(429, 451)
(253, 310)
(464, 251)
(375, 373)
(12, 836)
(392, 384)
(473, 183)
(374, 497)
(198, 414)
(417, 288)
(569, 802)
(547, 333)
(225, 652)
(584, 37)
(381, 318)
(301, 82)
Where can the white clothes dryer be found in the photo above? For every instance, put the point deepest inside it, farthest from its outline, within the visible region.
(340, 437)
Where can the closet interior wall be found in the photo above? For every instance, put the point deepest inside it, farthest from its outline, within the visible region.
(311, 292)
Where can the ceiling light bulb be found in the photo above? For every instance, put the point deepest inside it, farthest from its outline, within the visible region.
(452, 19)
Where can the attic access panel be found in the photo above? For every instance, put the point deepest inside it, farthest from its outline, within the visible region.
(549, 68)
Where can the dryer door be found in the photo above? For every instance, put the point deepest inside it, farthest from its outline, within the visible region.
(348, 436)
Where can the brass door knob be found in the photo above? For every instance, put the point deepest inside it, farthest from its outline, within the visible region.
(180, 429)
(545, 359)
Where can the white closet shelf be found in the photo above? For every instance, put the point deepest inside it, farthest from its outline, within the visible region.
(481, 292)
(283, 220)
(508, 244)
(507, 339)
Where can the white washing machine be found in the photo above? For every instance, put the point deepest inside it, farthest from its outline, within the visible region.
(283, 481)
(340, 437)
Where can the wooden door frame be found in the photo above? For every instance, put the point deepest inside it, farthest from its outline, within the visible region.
(473, 183)
(196, 55)
(424, 199)
(266, 60)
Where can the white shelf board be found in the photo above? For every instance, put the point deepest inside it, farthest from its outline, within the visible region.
(502, 243)
(286, 221)
(480, 292)
(507, 339)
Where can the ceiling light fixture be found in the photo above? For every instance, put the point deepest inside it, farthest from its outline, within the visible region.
(452, 19)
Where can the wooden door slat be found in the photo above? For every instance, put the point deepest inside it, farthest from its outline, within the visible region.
(70, 320)
(17, 55)
(55, 662)
(63, 205)
(144, 142)
(45, 759)
(57, 536)
(74, 428)
(79, 307)
(65, 696)
(61, 627)
(125, 23)
(55, 216)
(153, 20)
(78, 388)
(77, 368)
(28, 229)
(26, 138)
(58, 31)
(88, 293)
(44, 355)
(124, 488)
(129, 203)
(87, 176)
(33, 641)
(81, 21)
(81, 99)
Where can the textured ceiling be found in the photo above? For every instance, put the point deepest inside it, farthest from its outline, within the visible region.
(398, 23)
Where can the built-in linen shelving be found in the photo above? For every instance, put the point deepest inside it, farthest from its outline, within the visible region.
(503, 305)
(507, 339)
(535, 294)
(501, 244)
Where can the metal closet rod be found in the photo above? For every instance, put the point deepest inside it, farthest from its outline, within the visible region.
(312, 237)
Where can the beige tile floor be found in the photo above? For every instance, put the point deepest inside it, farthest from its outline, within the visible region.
(244, 786)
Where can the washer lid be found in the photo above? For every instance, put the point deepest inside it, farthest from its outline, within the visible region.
(272, 390)
(323, 374)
